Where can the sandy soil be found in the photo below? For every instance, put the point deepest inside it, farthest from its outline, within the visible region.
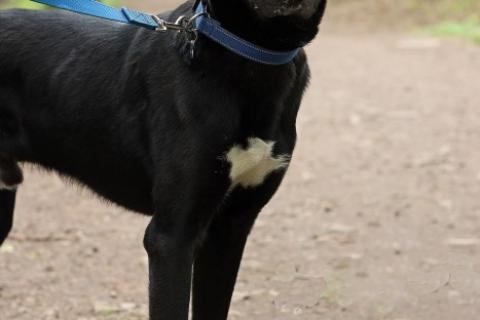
(379, 217)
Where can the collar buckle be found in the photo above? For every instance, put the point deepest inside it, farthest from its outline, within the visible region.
(182, 24)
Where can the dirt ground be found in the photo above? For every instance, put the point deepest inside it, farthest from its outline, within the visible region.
(378, 219)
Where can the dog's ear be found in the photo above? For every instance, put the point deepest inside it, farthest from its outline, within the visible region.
(304, 9)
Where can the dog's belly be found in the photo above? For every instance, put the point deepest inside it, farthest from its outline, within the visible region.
(250, 166)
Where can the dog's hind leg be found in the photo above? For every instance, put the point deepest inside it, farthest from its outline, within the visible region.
(7, 207)
(10, 177)
(10, 173)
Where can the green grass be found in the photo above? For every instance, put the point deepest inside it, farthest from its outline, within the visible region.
(27, 4)
(456, 18)
(468, 29)
(446, 8)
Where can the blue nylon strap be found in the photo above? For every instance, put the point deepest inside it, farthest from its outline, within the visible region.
(97, 9)
(203, 23)
(139, 18)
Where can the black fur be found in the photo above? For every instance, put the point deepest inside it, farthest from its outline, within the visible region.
(117, 108)
(7, 205)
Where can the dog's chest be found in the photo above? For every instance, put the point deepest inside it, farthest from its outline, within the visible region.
(250, 165)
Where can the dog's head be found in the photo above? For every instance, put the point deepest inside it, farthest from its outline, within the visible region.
(303, 9)
(276, 24)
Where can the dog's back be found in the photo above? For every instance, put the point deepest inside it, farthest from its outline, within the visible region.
(73, 81)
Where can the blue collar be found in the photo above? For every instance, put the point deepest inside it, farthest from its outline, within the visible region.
(201, 22)
(213, 30)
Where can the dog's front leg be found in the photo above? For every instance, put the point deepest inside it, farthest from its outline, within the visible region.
(217, 264)
(170, 255)
(184, 207)
(218, 259)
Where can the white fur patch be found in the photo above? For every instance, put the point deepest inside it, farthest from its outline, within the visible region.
(252, 165)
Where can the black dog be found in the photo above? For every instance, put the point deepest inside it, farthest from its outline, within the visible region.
(199, 144)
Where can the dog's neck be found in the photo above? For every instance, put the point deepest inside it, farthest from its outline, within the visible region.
(277, 32)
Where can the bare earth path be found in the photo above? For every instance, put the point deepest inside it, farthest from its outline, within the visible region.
(379, 217)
